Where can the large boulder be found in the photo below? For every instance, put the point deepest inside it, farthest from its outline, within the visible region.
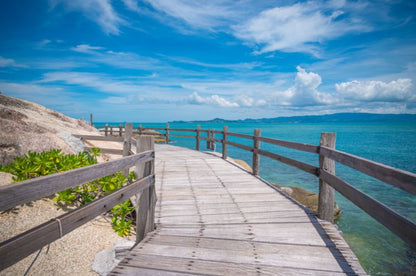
(306, 198)
(26, 126)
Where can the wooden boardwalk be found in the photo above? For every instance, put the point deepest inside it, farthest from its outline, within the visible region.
(213, 218)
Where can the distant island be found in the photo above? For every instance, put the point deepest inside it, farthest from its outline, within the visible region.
(330, 118)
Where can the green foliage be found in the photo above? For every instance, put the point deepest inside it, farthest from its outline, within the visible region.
(35, 164)
(120, 223)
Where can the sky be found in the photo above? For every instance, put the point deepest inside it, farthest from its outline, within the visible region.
(164, 60)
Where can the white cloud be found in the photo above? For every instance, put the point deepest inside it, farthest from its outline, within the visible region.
(295, 28)
(304, 92)
(215, 100)
(201, 14)
(395, 91)
(99, 11)
(98, 54)
(101, 82)
(132, 5)
(8, 62)
(85, 48)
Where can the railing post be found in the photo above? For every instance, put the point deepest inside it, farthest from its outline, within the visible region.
(326, 202)
(208, 138)
(120, 130)
(224, 142)
(212, 140)
(140, 129)
(167, 134)
(106, 130)
(256, 156)
(145, 207)
(111, 130)
(91, 119)
(127, 144)
(198, 137)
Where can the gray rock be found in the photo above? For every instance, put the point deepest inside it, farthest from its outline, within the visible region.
(73, 142)
(107, 259)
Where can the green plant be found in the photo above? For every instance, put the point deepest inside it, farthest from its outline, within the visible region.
(35, 164)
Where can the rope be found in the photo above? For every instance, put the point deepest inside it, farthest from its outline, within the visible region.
(60, 226)
(33, 262)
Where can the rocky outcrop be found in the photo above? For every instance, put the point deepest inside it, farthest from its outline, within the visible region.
(306, 198)
(28, 126)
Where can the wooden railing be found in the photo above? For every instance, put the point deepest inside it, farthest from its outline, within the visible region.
(141, 190)
(328, 181)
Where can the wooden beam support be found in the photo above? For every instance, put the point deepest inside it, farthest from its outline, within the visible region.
(256, 147)
(326, 201)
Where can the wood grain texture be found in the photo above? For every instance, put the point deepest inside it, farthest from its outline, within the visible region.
(292, 145)
(241, 146)
(182, 136)
(146, 201)
(100, 138)
(251, 137)
(396, 223)
(29, 190)
(291, 162)
(396, 177)
(326, 201)
(224, 142)
(215, 219)
(21, 246)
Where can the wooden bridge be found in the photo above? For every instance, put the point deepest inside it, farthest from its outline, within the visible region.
(211, 216)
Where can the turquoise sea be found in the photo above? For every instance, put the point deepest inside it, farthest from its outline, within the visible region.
(380, 252)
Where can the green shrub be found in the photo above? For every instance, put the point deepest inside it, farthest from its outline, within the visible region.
(35, 164)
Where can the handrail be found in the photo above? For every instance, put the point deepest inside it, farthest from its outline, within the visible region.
(24, 244)
(402, 227)
(395, 177)
(23, 192)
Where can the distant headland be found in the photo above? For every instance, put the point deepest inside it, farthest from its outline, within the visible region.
(329, 118)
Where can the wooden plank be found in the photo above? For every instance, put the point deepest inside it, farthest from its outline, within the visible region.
(291, 162)
(162, 265)
(183, 129)
(134, 271)
(106, 150)
(251, 137)
(245, 252)
(21, 246)
(292, 145)
(244, 147)
(22, 192)
(399, 225)
(182, 136)
(396, 177)
(224, 219)
(99, 138)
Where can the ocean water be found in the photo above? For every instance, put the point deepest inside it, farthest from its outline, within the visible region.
(380, 252)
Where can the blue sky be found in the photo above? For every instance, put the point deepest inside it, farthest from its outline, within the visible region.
(156, 61)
